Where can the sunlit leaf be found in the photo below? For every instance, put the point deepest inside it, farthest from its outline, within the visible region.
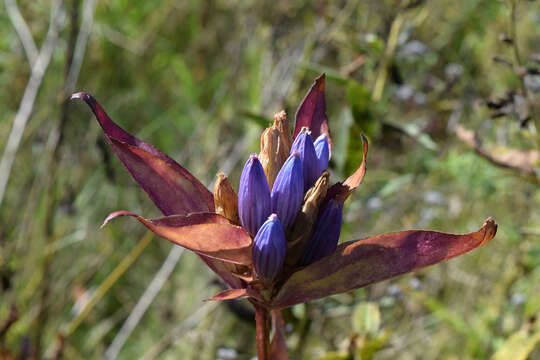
(208, 234)
(362, 262)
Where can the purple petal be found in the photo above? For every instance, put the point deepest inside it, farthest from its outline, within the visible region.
(325, 237)
(322, 150)
(288, 190)
(303, 144)
(254, 204)
(269, 247)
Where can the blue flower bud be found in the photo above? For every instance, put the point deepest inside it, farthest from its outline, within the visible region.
(254, 204)
(288, 190)
(269, 248)
(304, 145)
(324, 239)
(322, 150)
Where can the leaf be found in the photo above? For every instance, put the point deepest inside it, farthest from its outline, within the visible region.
(359, 98)
(341, 191)
(362, 262)
(366, 318)
(208, 234)
(312, 111)
(171, 187)
(229, 294)
(518, 346)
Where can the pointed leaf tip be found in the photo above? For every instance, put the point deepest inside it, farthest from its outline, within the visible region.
(312, 111)
(359, 263)
(171, 187)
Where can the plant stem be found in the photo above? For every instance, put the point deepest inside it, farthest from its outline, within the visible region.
(263, 332)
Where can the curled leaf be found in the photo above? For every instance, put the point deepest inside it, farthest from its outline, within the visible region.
(341, 191)
(208, 234)
(171, 187)
(362, 262)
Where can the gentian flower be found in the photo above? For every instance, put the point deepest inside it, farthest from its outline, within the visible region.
(269, 248)
(322, 150)
(255, 255)
(288, 190)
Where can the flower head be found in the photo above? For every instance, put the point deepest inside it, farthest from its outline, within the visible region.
(297, 246)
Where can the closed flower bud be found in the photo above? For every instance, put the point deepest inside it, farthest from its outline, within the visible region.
(225, 198)
(269, 248)
(322, 150)
(269, 156)
(288, 190)
(304, 145)
(281, 124)
(253, 196)
(324, 239)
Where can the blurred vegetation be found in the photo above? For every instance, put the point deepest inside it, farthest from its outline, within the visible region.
(200, 80)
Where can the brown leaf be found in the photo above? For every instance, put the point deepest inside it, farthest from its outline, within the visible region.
(269, 156)
(208, 234)
(230, 294)
(341, 191)
(225, 198)
(362, 262)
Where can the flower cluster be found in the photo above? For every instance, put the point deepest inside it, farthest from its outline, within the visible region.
(306, 162)
(275, 242)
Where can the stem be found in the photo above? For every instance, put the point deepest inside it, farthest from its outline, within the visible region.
(263, 332)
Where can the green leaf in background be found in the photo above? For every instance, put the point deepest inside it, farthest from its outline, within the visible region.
(519, 345)
(359, 99)
(366, 318)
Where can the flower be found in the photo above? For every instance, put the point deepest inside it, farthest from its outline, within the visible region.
(258, 258)
(253, 196)
(288, 190)
(269, 248)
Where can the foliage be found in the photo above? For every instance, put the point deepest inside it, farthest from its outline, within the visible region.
(200, 80)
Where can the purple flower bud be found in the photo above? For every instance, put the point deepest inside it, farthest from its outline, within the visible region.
(269, 248)
(254, 204)
(324, 239)
(304, 145)
(288, 190)
(322, 150)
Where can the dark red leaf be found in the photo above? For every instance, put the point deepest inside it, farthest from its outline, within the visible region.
(208, 234)
(362, 262)
(171, 187)
(312, 111)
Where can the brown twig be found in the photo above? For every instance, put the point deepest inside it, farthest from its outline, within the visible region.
(520, 161)
(11, 319)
